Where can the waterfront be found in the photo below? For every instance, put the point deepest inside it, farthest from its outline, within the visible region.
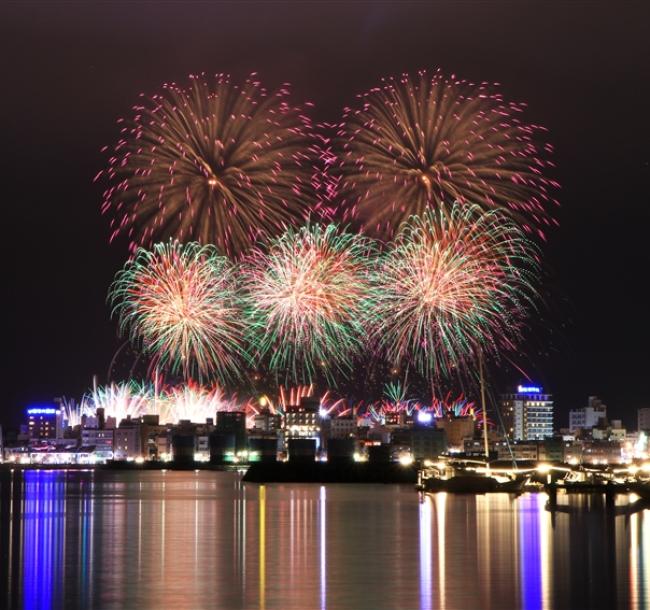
(101, 539)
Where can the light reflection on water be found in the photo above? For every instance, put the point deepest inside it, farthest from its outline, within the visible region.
(181, 540)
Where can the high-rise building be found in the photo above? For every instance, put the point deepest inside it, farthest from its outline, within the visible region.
(587, 417)
(643, 416)
(43, 421)
(527, 413)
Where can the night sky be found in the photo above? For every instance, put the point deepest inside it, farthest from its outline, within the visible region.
(71, 69)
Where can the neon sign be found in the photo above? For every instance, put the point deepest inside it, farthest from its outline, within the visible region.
(42, 411)
(529, 389)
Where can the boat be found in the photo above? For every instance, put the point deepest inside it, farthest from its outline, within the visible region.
(472, 484)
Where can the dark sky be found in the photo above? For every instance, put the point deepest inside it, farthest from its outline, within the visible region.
(69, 70)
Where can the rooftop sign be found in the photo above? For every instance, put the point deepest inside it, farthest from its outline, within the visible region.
(529, 389)
(42, 411)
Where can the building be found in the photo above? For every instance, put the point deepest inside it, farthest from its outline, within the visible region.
(228, 441)
(267, 422)
(101, 440)
(457, 429)
(609, 432)
(127, 442)
(587, 417)
(233, 423)
(202, 447)
(527, 413)
(427, 442)
(43, 422)
(342, 427)
(518, 450)
(547, 450)
(162, 442)
(303, 421)
(183, 442)
(601, 452)
(643, 419)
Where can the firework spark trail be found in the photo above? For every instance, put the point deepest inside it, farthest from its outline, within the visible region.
(415, 144)
(121, 400)
(213, 162)
(293, 395)
(307, 297)
(456, 407)
(456, 282)
(73, 411)
(191, 401)
(333, 408)
(181, 304)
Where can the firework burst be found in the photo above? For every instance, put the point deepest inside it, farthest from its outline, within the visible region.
(453, 407)
(195, 403)
(180, 302)
(306, 301)
(214, 162)
(456, 283)
(121, 400)
(415, 144)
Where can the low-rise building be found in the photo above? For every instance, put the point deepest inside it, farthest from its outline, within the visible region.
(588, 417)
(100, 440)
(457, 430)
(127, 442)
(518, 450)
(342, 427)
(266, 422)
(602, 452)
(427, 442)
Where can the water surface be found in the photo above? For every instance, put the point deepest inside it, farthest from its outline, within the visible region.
(194, 540)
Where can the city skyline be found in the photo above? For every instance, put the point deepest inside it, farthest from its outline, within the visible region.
(325, 305)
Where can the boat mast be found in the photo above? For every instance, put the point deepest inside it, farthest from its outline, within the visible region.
(486, 446)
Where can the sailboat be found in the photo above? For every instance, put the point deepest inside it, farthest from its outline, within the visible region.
(475, 480)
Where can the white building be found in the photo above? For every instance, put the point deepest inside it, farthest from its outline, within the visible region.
(528, 412)
(587, 417)
(303, 421)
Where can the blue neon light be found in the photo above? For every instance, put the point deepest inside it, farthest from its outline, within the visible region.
(42, 411)
(529, 389)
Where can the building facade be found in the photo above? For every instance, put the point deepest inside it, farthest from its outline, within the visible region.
(528, 413)
(127, 442)
(643, 419)
(101, 440)
(44, 422)
(587, 417)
